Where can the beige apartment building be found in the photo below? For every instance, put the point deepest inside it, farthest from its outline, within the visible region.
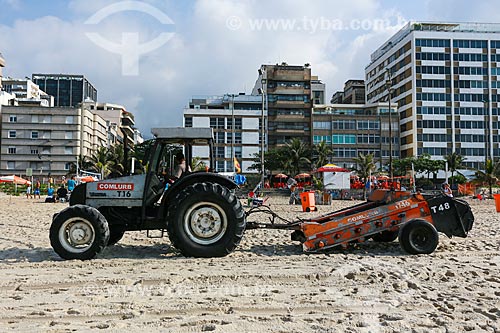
(48, 140)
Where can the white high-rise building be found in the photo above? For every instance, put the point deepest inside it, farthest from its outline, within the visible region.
(445, 80)
(218, 112)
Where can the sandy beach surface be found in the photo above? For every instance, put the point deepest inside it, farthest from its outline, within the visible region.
(266, 285)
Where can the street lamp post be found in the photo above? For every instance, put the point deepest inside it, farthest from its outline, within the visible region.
(486, 133)
(232, 132)
(263, 122)
(388, 84)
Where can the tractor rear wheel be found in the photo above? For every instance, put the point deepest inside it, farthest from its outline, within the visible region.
(385, 236)
(418, 237)
(206, 220)
(79, 232)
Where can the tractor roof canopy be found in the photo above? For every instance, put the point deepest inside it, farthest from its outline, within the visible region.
(179, 135)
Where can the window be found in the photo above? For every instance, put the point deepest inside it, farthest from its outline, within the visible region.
(12, 150)
(12, 134)
(67, 166)
(321, 125)
(69, 119)
(34, 151)
(344, 139)
(238, 152)
(237, 137)
(47, 119)
(34, 134)
(68, 135)
(11, 165)
(219, 137)
(68, 150)
(13, 118)
(219, 152)
(188, 122)
(34, 118)
(238, 123)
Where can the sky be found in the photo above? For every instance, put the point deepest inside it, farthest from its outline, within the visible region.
(152, 56)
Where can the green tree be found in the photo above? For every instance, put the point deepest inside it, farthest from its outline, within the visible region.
(490, 175)
(197, 164)
(322, 153)
(365, 166)
(455, 162)
(101, 161)
(297, 155)
(117, 164)
(273, 161)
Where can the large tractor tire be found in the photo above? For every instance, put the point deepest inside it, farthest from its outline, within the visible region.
(206, 220)
(79, 232)
(385, 236)
(418, 237)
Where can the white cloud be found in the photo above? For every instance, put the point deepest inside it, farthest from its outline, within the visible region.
(205, 56)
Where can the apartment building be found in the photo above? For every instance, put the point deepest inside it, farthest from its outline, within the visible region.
(120, 122)
(353, 93)
(67, 89)
(47, 140)
(236, 121)
(351, 129)
(287, 92)
(25, 92)
(445, 80)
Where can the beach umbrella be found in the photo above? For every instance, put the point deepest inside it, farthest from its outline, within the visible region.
(330, 167)
(302, 175)
(14, 179)
(86, 179)
(280, 175)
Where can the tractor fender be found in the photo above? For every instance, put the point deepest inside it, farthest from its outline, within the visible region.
(197, 177)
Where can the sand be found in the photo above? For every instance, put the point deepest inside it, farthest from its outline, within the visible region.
(266, 285)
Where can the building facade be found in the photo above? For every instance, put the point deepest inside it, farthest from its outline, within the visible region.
(26, 93)
(2, 65)
(67, 89)
(120, 122)
(351, 129)
(353, 93)
(287, 92)
(236, 121)
(445, 80)
(47, 140)
(318, 90)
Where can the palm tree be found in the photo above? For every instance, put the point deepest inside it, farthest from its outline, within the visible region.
(365, 166)
(101, 161)
(490, 175)
(116, 156)
(455, 161)
(197, 164)
(297, 154)
(322, 153)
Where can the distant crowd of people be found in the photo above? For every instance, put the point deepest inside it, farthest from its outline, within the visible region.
(34, 190)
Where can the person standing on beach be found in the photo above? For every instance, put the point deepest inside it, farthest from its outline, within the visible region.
(37, 189)
(28, 192)
(71, 184)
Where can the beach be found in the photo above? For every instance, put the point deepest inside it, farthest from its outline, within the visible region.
(267, 285)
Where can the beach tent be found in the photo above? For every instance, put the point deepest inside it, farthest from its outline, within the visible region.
(14, 179)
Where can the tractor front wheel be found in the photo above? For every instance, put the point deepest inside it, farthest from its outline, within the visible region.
(206, 220)
(418, 237)
(79, 232)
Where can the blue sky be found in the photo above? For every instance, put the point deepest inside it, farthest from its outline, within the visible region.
(213, 46)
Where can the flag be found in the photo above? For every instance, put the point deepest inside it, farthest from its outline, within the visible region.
(237, 165)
